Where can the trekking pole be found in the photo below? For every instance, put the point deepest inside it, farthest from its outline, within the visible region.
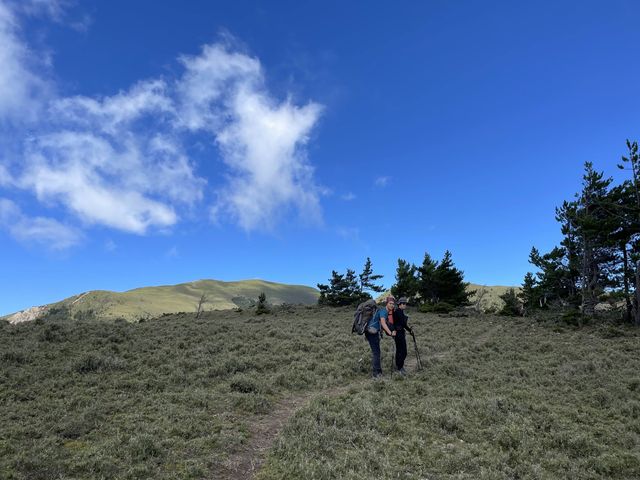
(415, 346)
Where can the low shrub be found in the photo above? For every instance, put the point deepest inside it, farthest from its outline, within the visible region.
(440, 307)
(94, 363)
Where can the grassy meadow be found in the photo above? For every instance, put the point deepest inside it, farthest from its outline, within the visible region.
(175, 397)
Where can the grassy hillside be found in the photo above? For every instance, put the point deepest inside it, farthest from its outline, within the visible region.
(179, 398)
(154, 301)
(490, 299)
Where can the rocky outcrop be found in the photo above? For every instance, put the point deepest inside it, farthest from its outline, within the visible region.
(27, 315)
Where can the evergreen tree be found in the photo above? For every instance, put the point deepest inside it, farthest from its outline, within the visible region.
(428, 286)
(352, 293)
(511, 304)
(262, 306)
(552, 276)
(600, 250)
(406, 281)
(450, 286)
(330, 294)
(530, 294)
(629, 244)
(567, 216)
(343, 289)
(368, 279)
(594, 225)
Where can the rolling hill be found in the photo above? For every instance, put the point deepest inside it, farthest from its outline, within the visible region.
(149, 302)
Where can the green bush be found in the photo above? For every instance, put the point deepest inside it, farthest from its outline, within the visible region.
(93, 363)
(573, 318)
(439, 307)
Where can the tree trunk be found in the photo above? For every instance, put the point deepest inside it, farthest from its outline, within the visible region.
(625, 273)
(636, 302)
(588, 284)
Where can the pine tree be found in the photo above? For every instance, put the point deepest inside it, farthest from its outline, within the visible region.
(511, 303)
(529, 295)
(262, 306)
(368, 279)
(552, 276)
(594, 225)
(329, 294)
(631, 213)
(343, 289)
(406, 281)
(428, 286)
(567, 216)
(449, 283)
(351, 293)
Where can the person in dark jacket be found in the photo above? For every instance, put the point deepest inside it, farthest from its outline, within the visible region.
(400, 321)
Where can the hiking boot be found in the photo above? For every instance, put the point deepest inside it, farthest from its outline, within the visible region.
(377, 376)
(402, 371)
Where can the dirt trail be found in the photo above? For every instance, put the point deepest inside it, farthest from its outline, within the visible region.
(245, 463)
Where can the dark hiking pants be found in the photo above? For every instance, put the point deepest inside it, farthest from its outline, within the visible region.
(401, 348)
(374, 343)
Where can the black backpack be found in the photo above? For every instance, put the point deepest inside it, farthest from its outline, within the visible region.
(364, 313)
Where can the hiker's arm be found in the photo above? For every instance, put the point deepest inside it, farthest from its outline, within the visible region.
(406, 323)
(383, 322)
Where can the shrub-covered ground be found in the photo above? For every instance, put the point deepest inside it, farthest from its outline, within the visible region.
(174, 397)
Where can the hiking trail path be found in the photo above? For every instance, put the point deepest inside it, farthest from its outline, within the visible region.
(245, 463)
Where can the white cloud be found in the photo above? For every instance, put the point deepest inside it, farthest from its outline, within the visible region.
(99, 184)
(209, 80)
(44, 231)
(349, 196)
(382, 181)
(262, 141)
(5, 177)
(108, 170)
(111, 113)
(119, 161)
(349, 233)
(22, 90)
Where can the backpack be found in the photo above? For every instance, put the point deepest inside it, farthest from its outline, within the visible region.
(364, 313)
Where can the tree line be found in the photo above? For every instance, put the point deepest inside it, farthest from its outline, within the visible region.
(599, 255)
(433, 286)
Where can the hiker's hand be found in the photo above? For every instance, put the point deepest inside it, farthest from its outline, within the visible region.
(393, 333)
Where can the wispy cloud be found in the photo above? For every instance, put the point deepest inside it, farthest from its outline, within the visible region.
(47, 232)
(120, 161)
(261, 140)
(348, 233)
(349, 196)
(110, 246)
(22, 89)
(381, 181)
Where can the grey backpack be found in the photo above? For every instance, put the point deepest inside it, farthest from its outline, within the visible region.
(364, 313)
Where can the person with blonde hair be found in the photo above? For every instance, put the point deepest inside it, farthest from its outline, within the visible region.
(379, 323)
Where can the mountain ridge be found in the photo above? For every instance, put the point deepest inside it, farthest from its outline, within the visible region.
(145, 302)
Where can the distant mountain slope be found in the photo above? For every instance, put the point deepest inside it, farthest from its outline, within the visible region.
(490, 299)
(153, 301)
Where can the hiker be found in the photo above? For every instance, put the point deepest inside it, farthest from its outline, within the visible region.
(377, 324)
(399, 325)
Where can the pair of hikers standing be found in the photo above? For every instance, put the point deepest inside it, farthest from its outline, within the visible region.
(393, 322)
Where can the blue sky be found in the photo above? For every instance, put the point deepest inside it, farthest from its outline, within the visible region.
(147, 143)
